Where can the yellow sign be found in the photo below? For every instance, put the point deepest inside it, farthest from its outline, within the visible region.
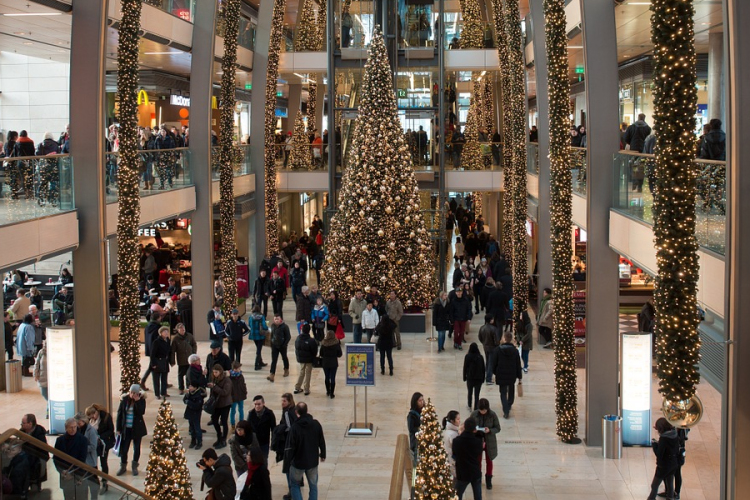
(142, 97)
(214, 104)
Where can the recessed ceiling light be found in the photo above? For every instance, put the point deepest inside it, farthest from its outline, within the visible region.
(28, 43)
(570, 47)
(19, 14)
(19, 33)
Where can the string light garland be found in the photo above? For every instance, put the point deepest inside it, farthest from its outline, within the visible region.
(516, 141)
(488, 103)
(300, 156)
(167, 473)
(471, 156)
(561, 212)
(675, 105)
(269, 136)
(472, 33)
(478, 204)
(129, 206)
(378, 235)
(502, 54)
(434, 480)
(228, 267)
(309, 38)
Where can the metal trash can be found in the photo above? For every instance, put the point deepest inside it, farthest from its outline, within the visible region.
(13, 376)
(612, 436)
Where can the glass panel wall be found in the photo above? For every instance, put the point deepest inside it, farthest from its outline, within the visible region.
(184, 9)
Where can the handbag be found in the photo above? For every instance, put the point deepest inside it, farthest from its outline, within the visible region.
(333, 320)
(317, 362)
(210, 405)
(116, 448)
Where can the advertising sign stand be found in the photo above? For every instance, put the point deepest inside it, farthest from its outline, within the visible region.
(360, 372)
(635, 387)
(60, 376)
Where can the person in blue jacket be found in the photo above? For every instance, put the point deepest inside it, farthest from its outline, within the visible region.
(258, 329)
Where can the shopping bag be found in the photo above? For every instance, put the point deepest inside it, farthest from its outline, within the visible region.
(520, 390)
(340, 332)
(116, 448)
(240, 485)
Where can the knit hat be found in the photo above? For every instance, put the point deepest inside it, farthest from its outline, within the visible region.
(135, 388)
(216, 344)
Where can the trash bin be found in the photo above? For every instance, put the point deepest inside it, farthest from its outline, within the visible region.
(13, 376)
(612, 436)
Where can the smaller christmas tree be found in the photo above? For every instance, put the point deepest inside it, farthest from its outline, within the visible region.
(434, 478)
(471, 156)
(300, 157)
(167, 474)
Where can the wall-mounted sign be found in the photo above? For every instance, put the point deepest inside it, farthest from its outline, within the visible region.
(142, 97)
(61, 381)
(579, 70)
(282, 112)
(635, 373)
(178, 100)
(248, 86)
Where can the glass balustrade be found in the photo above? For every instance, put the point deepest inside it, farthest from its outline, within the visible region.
(33, 186)
(317, 157)
(633, 195)
(184, 9)
(578, 170)
(454, 28)
(240, 161)
(532, 158)
(245, 35)
(290, 42)
(158, 170)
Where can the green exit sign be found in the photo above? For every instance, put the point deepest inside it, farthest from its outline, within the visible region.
(248, 86)
(401, 93)
(279, 93)
(579, 70)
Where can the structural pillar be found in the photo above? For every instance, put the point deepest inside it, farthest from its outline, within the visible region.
(602, 285)
(87, 68)
(735, 456)
(544, 255)
(258, 128)
(716, 76)
(201, 90)
(294, 102)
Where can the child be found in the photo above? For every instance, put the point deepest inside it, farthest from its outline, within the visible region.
(239, 392)
(193, 400)
(320, 317)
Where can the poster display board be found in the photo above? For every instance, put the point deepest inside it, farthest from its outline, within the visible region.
(360, 364)
(635, 373)
(61, 381)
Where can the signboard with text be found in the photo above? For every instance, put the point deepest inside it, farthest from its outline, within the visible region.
(61, 381)
(360, 364)
(635, 372)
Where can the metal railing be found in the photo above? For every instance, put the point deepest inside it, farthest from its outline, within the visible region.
(633, 195)
(159, 170)
(79, 478)
(578, 157)
(184, 9)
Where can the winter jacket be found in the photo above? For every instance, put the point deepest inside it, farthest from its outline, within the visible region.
(195, 376)
(160, 349)
(355, 310)
(194, 401)
(666, 451)
(75, 446)
(220, 479)
(40, 367)
(461, 309)
(298, 276)
(492, 422)
(183, 346)
(714, 145)
(306, 443)
(636, 134)
(527, 339)
(220, 359)
(24, 147)
(488, 336)
(507, 365)
(47, 147)
(441, 315)
(305, 348)
(258, 327)
(330, 351)
(467, 451)
(239, 447)
(474, 367)
(413, 422)
(370, 319)
(25, 337)
(93, 441)
(239, 387)
(106, 429)
(280, 336)
(222, 389)
(139, 409)
(449, 434)
(263, 424)
(277, 289)
(304, 309)
(259, 485)
(150, 334)
(545, 313)
(384, 331)
(236, 330)
(395, 310)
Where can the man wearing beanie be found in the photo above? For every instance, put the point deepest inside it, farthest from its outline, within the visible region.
(217, 357)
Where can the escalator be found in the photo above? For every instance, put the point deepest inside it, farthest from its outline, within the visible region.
(347, 131)
(35, 467)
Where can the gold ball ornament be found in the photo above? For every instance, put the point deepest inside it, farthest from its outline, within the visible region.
(381, 233)
(412, 235)
(388, 210)
(403, 188)
(397, 224)
(349, 278)
(353, 229)
(392, 244)
(364, 248)
(383, 279)
(362, 201)
(361, 213)
(685, 413)
(369, 219)
(382, 257)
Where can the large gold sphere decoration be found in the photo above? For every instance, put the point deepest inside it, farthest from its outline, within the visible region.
(685, 413)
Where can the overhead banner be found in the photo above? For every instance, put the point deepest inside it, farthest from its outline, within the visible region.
(360, 364)
(61, 381)
(636, 389)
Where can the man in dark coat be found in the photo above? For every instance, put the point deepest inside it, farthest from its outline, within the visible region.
(263, 421)
(217, 357)
(305, 349)
(467, 452)
(497, 304)
(304, 308)
(74, 444)
(217, 474)
(150, 334)
(306, 444)
(185, 310)
(636, 134)
(35, 455)
(460, 313)
(507, 368)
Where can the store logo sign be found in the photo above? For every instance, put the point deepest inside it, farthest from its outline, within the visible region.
(178, 100)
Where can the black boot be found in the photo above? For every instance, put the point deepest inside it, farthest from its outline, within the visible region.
(333, 388)
(382, 370)
(391, 371)
(489, 482)
(328, 388)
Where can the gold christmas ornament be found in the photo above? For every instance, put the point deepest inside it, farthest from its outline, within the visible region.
(685, 413)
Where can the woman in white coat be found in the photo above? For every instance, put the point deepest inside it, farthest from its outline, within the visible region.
(451, 426)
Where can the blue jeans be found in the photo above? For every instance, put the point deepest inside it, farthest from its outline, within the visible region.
(296, 290)
(239, 405)
(441, 340)
(357, 331)
(194, 425)
(476, 488)
(525, 357)
(295, 476)
(489, 357)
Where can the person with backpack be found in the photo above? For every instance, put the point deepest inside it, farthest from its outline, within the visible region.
(280, 338)
(258, 329)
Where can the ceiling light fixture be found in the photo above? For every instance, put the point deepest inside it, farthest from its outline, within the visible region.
(170, 52)
(572, 47)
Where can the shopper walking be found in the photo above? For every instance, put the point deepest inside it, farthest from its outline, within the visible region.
(159, 362)
(386, 342)
(306, 350)
(131, 427)
(460, 313)
(235, 330)
(258, 329)
(183, 346)
(356, 306)
(263, 421)
(666, 449)
(330, 352)
(507, 368)
(239, 393)
(544, 319)
(319, 318)
(307, 447)
(467, 451)
(489, 336)
(221, 392)
(526, 341)
(370, 320)
(474, 374)
(441, 318)
(488, 425)
(280, 338)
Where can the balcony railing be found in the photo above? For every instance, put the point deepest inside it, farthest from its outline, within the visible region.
(159, 170)
(634, 184)
(35, 186)
(240, 161)
(184, 9)
(577, 165)
(245, 34)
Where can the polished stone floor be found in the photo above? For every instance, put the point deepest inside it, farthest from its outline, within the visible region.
(532, 463)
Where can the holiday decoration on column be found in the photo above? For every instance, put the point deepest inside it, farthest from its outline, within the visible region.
(231, 11)
(517, 143)
(309, 38)
(129, 207)
(478, 204)
(471, 156)
(167, 473)
(269, 154)
(561, 199)
(300, 157)
(675, 106)
(502, 53)
(434, 480)
(488, 103)
(472, 34)
(378, 234)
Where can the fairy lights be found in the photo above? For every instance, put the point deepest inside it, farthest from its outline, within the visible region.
(300, 156)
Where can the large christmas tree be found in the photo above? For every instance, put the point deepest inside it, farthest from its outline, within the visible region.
(300, 156)
(434, 478)
(378, 236)
(167, 474)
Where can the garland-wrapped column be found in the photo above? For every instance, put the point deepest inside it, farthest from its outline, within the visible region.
(517, 142)
(272, 75)
(129, 207)
(226, 172)
(561, 199)
(675, 103)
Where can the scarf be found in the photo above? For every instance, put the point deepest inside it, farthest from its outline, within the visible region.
(251, 468)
